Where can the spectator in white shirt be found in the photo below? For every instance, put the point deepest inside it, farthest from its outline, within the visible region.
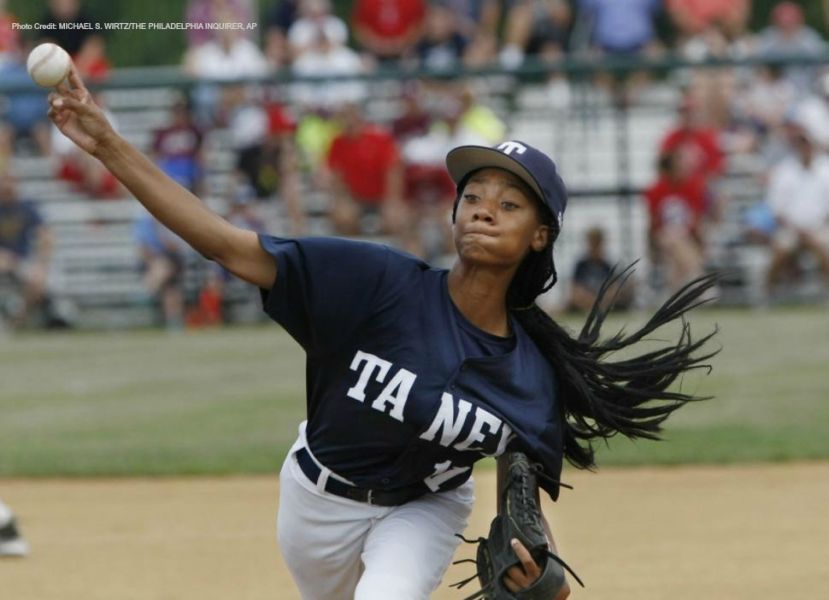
(315, 15)
(230, 56)
(320, 51)
(798, 195)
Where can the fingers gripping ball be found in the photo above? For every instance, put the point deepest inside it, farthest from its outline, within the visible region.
(48, 64)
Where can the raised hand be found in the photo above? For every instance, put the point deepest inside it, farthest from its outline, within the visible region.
(73, 111)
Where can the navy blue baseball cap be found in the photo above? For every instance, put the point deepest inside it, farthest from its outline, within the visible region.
(529, 164)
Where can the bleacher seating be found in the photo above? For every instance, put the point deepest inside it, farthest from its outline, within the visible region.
(96, 264)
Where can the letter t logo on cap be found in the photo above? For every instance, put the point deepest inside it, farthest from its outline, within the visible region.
(510, 147)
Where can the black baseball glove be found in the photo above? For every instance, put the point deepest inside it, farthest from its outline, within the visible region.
(520, 518)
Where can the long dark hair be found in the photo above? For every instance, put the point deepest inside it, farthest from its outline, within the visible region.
(599, 397)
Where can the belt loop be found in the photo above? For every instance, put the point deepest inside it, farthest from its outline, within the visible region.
(368, 498)
(325, 472)
(322, 480)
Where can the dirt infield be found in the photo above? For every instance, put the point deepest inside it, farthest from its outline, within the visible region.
(723, 533)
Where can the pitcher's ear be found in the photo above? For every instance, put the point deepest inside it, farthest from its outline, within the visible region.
(540, 238)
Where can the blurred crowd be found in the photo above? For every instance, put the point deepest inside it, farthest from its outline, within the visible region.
(384, 175)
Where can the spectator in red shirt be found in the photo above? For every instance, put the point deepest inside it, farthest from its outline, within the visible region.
(677, 203)
(700, 144)
(366, 175)
(388, 29)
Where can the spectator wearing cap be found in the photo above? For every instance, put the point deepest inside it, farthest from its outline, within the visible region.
(388, 30)
(365, 176)
(788, 35)
(798, 195)
(266, 161)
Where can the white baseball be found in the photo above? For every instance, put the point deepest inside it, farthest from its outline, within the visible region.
(48, 64)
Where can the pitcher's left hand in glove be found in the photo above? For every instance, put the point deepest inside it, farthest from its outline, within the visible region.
(514, 561)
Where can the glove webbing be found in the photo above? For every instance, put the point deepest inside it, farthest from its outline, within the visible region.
(487, 589)
(536, 469)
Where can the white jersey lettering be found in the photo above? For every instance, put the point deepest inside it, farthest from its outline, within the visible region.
(396, 393)
(358, 390)
(446, 421)
(482, 418)
(506, 436)
(443, 472)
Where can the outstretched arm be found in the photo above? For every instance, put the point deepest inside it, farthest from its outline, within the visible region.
(73, 111)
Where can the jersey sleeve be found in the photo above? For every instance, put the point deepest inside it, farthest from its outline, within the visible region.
(325, 288)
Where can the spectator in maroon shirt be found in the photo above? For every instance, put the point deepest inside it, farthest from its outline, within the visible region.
(414, 119)
(177, 147)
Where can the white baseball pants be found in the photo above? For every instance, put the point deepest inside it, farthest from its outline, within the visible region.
(339, 549)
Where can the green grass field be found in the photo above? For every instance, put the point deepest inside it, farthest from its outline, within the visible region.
(228, 401)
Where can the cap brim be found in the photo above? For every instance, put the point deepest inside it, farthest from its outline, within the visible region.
(463, 160)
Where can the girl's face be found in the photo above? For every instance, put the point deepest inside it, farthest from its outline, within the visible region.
(498, 221)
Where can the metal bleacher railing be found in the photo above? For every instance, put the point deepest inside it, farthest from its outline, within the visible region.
(606, 149)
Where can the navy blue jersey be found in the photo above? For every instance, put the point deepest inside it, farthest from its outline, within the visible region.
(401, 388)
